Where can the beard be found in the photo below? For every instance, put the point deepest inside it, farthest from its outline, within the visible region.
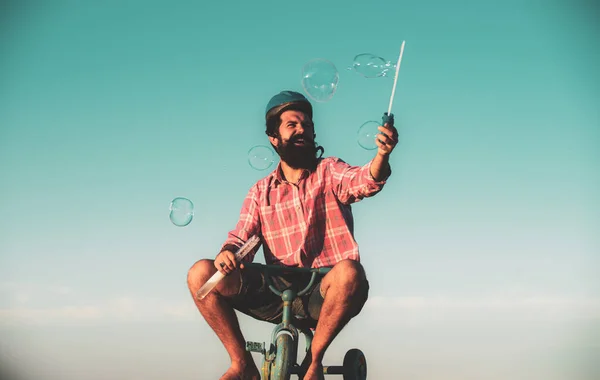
(298, 156)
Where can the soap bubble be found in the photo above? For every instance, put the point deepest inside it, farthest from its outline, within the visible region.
(371, 66)
(261, 157)
(182, 211)
(367, 134)
(320, 79)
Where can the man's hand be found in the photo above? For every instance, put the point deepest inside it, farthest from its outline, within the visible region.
(387, 139)
(225, 262)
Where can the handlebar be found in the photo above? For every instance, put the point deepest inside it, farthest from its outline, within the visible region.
(266, 269)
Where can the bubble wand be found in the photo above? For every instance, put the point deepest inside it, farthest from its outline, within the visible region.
(388, 117)
(217, 277)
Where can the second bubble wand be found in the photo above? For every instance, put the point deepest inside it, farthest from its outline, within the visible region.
(217, 277)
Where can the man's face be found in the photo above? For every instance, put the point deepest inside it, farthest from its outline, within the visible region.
(294, 142)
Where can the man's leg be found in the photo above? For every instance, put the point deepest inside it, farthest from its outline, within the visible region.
(221, 317)
(341, 288)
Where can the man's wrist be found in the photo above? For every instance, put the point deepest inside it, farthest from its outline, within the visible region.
(380, 167)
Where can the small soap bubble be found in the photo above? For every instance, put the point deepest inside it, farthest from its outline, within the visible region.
(367, 134)
(320, 79)
(261, 157)
(181, 211)
(371, 66)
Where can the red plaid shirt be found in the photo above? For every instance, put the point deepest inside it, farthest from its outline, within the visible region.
(309, 224)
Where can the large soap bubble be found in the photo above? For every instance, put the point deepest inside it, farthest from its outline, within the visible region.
(371, 66)
(320, 79)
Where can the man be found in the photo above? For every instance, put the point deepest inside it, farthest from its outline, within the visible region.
(302, 213)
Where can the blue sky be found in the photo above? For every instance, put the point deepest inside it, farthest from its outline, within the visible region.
(482, 250)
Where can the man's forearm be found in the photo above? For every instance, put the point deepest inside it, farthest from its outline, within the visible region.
(380, 167)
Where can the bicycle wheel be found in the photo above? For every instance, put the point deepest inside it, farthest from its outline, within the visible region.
(355, 365)
(284, 359)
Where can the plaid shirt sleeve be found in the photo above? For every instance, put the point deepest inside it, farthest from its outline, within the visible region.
(247, 226)
(353, 183)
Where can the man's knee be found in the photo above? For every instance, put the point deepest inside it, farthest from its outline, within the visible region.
(349, 276)
(354, 277)
(204, 269)
(350, 273)
(199, 273)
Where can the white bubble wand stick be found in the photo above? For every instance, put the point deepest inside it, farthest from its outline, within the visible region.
(388, 116)
(217, 277)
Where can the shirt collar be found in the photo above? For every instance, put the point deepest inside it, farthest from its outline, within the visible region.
(277, 174)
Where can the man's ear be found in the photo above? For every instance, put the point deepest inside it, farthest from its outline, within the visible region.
(273, 140)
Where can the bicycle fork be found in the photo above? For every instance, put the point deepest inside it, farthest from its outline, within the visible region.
(281, 346)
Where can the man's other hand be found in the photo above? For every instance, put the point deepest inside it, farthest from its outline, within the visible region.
(225, 262)
(387, 139)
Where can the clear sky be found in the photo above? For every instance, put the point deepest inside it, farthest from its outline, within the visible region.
(482, 250)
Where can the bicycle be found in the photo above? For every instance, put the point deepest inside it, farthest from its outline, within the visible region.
(280, 359)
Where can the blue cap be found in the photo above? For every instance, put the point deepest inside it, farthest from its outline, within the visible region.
(285, 97)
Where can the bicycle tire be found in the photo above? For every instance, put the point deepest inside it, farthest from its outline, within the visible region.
(355, 365)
